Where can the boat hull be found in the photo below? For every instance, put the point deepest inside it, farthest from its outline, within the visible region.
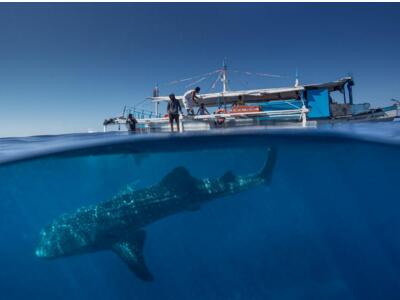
(204, 123)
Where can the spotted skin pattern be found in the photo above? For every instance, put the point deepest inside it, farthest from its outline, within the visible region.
(118, 224)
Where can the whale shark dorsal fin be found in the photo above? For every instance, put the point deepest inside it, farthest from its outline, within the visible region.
(228, 177)
(178, 177)
(131, 252)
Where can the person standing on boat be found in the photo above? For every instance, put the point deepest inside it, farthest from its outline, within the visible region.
(240, 101)
(131, 123)
(173, 109)
(190, 99)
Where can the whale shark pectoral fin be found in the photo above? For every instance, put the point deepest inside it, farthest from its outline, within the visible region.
(267, 171)
(131, 252)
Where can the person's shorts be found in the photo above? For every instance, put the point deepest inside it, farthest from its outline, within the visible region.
(173, 117)
(188, 104)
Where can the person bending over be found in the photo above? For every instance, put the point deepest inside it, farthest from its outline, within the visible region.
(191, 98)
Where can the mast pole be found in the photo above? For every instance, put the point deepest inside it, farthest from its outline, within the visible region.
(224, 76)
(156, 93)
(297, 83)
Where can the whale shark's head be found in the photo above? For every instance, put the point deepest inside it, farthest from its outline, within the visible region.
(59, 239)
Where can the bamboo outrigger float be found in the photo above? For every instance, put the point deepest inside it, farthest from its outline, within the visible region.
(296, 106)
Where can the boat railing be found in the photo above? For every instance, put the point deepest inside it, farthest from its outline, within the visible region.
(147, 118)
(139, 113)
(143, 114)
(298, 113)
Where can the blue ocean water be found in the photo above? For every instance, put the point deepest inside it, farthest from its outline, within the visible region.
(327, 227)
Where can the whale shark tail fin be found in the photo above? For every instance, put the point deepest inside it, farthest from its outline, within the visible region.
(266, 172)
(131, 252)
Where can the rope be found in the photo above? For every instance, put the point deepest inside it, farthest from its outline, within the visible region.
(196, 82)
(191, 78)
(244, 83)
(140, 103)
(260, 74)
(216, 81)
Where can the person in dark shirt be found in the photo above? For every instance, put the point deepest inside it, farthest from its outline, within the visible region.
(240, 101)
(202, 110)
(173, 109)
(131, 123)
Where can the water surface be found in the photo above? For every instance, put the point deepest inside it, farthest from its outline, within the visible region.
(326, 228)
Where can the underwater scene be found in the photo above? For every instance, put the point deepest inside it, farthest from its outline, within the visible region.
(224, 214)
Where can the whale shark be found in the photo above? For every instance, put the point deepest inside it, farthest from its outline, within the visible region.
(119, 223)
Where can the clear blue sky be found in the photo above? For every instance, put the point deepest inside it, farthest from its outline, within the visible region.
(66, 67)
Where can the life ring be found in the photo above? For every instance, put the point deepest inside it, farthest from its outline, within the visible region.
(219, 121)
(220, 111)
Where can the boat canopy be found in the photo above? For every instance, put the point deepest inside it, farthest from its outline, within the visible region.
(262, 95)
(249, 96)
(332, 86)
